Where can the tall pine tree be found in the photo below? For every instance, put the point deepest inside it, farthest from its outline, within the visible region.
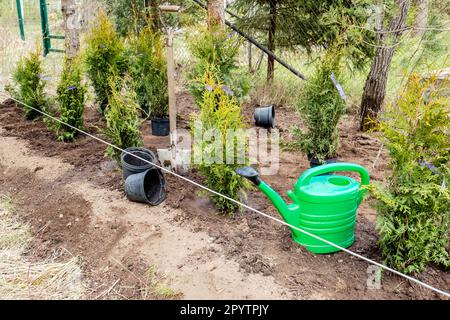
(307, 24)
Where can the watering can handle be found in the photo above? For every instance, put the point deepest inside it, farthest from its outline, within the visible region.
(305, 178)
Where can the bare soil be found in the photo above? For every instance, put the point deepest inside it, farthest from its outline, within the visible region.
(72, 197)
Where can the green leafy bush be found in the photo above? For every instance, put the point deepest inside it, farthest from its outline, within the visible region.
(71, 97)
(148, 68)
(220, 50)
(321, 107)
(414, 207)
(129, 16)
(220, 111)
(122, 120)
(29, 84)
(104, 57)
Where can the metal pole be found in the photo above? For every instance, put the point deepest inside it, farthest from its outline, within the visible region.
(45, 27)
(20, 17)
(258, 45)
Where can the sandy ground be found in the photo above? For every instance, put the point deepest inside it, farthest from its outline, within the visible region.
(193, 264)
(73, 198)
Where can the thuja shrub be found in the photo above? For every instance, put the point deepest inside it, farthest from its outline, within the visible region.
(104, 57)
(220, 49)
(122, 120)
(320, 106)
(220, 111)
(148, 67)
(70, 97)
(414, 207)
(29, 84)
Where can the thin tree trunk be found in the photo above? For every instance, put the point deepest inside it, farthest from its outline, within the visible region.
(375, 86)
(422, 16)
(216, 14)
(71, 28)
(271, 40)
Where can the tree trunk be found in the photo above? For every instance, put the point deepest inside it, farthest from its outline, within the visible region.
(375, 86)
(71, 28)
(422, 16)
(271, 40)
(216, 14)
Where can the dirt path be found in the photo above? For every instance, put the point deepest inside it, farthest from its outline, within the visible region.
(119, 232)
(73, 197)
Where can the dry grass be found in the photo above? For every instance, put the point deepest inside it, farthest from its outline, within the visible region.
(23, 278)
(156, 286)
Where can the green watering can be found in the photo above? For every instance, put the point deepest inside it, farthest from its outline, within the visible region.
(324, 204)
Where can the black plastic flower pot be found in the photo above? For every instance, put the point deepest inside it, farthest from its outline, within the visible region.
(136, 160)
(147, 187)
(265, 117)
(160, 126)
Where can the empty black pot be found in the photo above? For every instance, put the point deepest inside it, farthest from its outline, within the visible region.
(265, 117)
(160, 126)
(147, 187)
(132, 165)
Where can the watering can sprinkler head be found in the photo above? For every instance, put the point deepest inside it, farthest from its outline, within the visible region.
(250, 174)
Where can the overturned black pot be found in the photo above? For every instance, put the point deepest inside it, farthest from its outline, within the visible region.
(265, 117)
(160, 127)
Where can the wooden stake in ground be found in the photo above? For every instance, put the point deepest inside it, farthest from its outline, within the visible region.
(69, 9)
(171, 86)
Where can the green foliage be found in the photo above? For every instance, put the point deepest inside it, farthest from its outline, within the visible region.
(104, 57)
(321, 107)
(311, 24)
(29, 84)
(220, 112)
(129, 16)
(220, 50)
(148, 67)
(71, 97)
(122, 120)
(414, 208)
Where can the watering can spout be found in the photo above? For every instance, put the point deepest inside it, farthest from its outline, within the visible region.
(285, 210)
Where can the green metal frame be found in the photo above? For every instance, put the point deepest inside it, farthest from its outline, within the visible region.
(46, 36)
(20, 18)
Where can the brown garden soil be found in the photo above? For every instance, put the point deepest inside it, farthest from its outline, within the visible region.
(67, 211)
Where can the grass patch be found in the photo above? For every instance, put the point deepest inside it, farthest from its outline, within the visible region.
(157, 286)
(22, 278)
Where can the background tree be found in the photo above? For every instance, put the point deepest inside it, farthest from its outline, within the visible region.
(69, 9)
(387, 40)
(216, 13)
(308, 24)
(423, 8)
